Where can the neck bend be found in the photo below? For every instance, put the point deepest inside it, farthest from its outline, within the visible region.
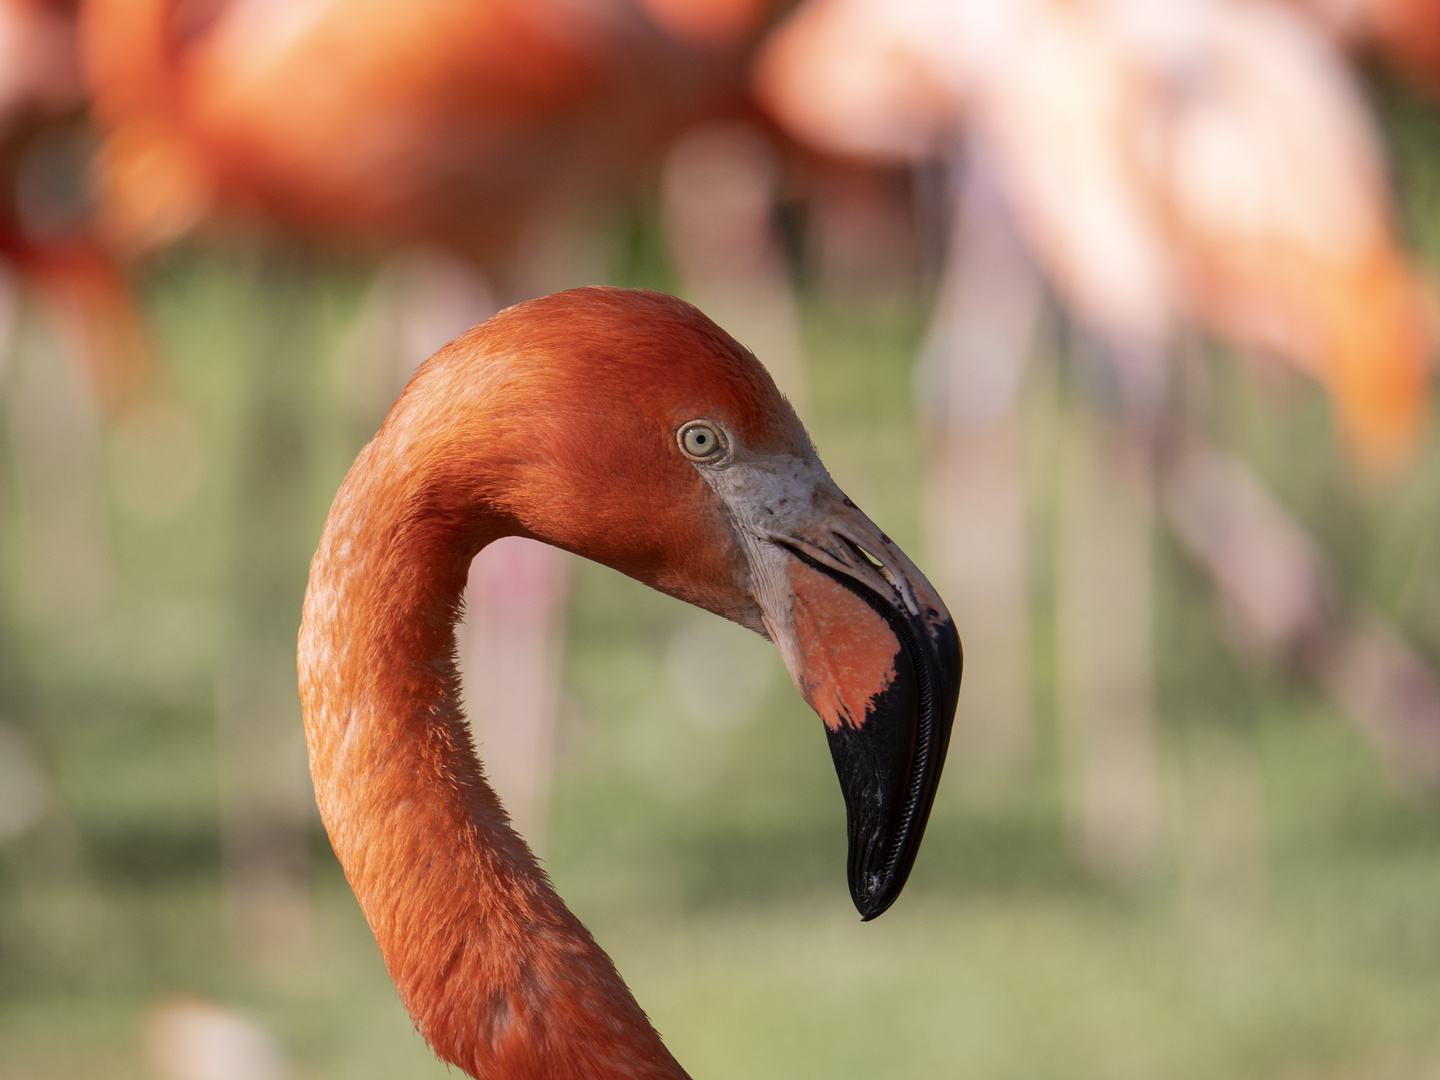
(500, 977)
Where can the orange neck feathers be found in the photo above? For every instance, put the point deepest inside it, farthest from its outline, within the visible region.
(501, 433)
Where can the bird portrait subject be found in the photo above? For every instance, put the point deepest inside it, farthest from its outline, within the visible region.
(625, 427)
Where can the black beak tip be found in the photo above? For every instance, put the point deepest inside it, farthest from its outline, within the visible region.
(889, 764)
(889, 767)
(873, 896)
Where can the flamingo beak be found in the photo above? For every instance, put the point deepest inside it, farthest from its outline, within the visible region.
(872, 648)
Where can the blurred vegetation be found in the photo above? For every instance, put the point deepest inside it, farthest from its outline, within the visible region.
(709, 860)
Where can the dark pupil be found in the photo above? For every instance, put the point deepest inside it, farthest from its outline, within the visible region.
(700, 438)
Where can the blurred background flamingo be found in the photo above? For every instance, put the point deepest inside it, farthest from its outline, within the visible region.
(1200, 164)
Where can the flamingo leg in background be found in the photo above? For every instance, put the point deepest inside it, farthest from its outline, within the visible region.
(267, 814)
(509, 646)
(979, 344)
(512, 631)
(55, 421)
(1104, 642)
(1277, 589)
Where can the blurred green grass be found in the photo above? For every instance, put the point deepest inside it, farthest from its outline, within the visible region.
(710, 860)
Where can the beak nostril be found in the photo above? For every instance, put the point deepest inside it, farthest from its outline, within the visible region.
(870, 560)
(860, 553)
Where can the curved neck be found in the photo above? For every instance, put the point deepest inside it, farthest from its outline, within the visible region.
(500, 977)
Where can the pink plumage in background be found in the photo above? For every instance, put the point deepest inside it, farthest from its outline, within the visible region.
(1206, 160)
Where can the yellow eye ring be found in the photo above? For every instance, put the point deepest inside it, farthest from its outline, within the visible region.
(701, 441)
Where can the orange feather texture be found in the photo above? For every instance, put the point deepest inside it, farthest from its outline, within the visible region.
(556, 420)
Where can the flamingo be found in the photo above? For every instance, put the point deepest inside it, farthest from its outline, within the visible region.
(445, 121)
(626, 427)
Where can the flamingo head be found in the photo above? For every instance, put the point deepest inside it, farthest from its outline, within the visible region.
(630, 429)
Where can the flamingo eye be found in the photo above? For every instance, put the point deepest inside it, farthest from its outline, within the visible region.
(701, 441)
